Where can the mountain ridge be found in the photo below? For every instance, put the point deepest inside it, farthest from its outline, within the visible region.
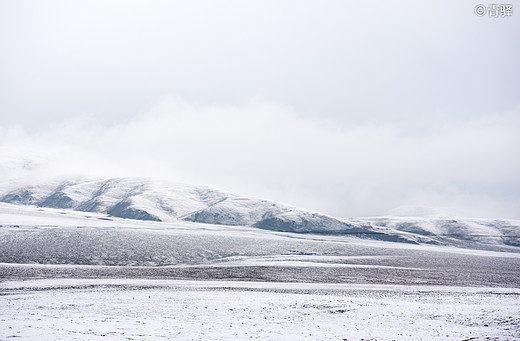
(157, 200)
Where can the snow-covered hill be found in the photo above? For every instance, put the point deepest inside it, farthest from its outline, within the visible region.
(466, 232)
(147, 199)
(133, 198)
(153, 200)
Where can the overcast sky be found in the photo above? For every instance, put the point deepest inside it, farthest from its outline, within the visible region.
(347, 107)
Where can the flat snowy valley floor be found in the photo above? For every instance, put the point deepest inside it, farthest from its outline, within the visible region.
(137, 309)
(77, 276)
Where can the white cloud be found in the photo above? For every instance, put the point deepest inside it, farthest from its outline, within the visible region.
(263, 149)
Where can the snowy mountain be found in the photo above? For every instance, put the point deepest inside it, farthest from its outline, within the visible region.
(132, 198)
(147, 199)
(152, 200)
(464, 232)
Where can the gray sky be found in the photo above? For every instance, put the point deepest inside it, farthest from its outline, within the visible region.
(348, 107)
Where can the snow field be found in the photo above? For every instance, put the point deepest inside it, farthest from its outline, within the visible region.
(196, 310)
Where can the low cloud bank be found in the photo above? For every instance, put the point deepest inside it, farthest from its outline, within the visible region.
(469, 167)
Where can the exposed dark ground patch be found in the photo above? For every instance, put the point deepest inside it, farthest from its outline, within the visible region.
(448, 277)
(121, 253)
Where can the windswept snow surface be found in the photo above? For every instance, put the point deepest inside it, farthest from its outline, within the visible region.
(95, 309)
(82, 275)
(181, 249)
(69, 275)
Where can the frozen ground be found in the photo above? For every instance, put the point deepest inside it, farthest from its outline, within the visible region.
(68, 275)
(102, 309)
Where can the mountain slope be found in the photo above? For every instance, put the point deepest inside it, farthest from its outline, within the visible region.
(133, 198)
(147, 199)
(454, 231)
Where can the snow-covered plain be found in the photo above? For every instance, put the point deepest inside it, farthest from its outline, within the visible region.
(68, 275)
(136, 309)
